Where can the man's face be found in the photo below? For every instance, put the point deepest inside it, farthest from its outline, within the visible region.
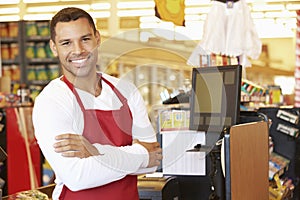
(76, 47)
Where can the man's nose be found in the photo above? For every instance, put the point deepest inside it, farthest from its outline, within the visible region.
(78, 48)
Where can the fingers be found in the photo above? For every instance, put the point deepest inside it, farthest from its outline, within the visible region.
(73, 145)
(155, 158)
(67, 136)
(65, 146)
(67, 142)
(78, 154)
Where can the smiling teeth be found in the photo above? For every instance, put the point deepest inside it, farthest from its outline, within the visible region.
(79, 61)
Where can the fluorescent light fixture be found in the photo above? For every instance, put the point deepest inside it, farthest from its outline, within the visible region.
(47, 9)
(290, 23)
(284, 14)
(257, 15)
(197, 2)
(266, 7)
(197, 10)
(6, 2)
(100, 14)
(9, 18)
(192, 17)
(38, 16)
(293, 6)
(100, 6)
(267, 28)
(131, 13)
(195, 17)
(14, 10)
(39, 1)
(136, 4)
(42, 9)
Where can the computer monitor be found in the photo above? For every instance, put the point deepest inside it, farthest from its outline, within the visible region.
(215, 97)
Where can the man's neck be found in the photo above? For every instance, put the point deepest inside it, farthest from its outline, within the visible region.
(91, 85)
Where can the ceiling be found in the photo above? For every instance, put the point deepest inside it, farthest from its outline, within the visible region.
(273, 18)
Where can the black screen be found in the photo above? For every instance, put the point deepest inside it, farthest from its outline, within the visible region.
(215, 98)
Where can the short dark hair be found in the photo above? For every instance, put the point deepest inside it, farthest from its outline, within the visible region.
(67, 15)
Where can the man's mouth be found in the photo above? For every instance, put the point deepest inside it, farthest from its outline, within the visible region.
(78, 61)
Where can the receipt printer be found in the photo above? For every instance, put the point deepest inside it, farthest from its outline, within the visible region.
(158, 188)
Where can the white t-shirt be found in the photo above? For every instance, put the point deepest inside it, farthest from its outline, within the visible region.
(56, 111)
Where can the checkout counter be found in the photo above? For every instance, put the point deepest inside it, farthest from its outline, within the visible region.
(162, 188)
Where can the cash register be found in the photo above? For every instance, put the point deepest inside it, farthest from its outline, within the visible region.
(158, 188)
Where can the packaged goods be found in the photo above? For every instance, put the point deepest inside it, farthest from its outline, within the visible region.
(31, 29)
(13, 29)
(48, 51)
(40, 50)
(5, 51)
(3, 30)
(43, 28)
(31, 73)
(30, 50)
(6, 70)
(41, 73)
(14, 51)
(15, 73)
(53, 71)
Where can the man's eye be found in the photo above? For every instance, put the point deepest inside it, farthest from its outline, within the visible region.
(65, 43)
(86, 39)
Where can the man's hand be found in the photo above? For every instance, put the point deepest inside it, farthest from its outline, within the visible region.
(73, 145)
(154, 150)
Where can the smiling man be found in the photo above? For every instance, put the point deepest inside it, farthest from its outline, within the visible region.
(92, 128)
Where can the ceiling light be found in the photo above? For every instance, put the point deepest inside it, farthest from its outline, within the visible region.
(38, 16)
(39, 1)
(131, 13)
(100, 14)
(44, 16)
(2, 2)
(293, 6)
(100, 6)
(195, 17)
(267, 28)
(15, 10)
(284, 14)
(257, 15)
(56, 8)
(197, 10)
(137, 4)
(192, 17)
(196, 2)
(41, 9)
(9, 18)
(266, 7)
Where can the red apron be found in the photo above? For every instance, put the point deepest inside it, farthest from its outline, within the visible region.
(111, 127)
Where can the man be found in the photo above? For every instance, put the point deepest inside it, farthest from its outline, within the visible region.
(92, 128)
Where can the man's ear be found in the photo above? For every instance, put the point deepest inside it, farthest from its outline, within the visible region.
(98, 37)
(53, 48)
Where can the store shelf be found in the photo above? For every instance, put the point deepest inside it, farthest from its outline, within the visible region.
(9, 39)
(25, 52)
(42, 60)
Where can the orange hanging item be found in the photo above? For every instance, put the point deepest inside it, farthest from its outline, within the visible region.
(170, 10)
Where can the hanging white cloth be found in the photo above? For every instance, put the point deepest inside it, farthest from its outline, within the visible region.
(229, 31)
